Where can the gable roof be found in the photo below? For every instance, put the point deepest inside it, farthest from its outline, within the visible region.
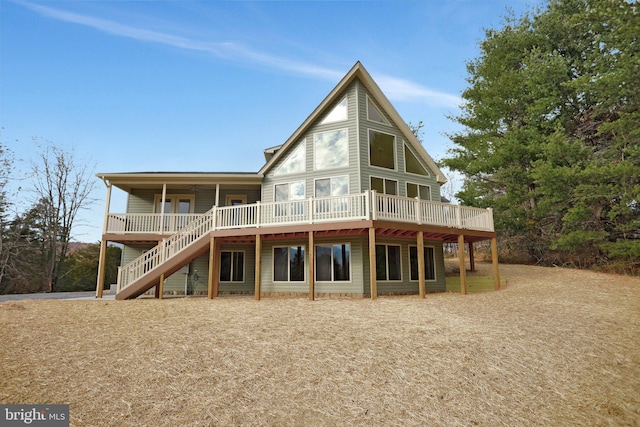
(357, 71)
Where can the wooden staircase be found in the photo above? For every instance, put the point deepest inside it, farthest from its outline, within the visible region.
(173, 253)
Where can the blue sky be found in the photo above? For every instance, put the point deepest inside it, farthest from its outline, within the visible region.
(207, 85)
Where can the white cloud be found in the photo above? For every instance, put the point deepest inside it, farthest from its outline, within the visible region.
(395, 88)
(405, 90)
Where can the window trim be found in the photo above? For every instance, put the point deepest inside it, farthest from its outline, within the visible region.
(395, 151)
(315, 261)
(273, 266)
(233, 252)
(435, 270)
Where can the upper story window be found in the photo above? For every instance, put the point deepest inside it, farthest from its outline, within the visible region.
(296, 162)
(179, 206)
(384, 186)
(412, 164)
(333, 186)
(175, 203)
(423, 192)
(373, 114)
(338, 114)
(382, 149)
(331, 149)
(290, 191)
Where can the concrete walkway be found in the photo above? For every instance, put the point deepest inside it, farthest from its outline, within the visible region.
(90, 295)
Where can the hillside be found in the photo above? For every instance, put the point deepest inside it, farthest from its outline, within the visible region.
(555, 347)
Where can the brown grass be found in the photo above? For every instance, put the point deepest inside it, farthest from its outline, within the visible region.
(556, 347)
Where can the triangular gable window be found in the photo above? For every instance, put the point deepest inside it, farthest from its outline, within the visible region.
(338, 114)
(373, 114)
(296, 161)
(412, 164)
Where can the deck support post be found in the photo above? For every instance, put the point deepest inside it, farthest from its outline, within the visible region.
(160, 287)
(463, 272)
(421, 285)
(312, 277)
(258, 266)
(372, 263)
(494, 262)
(472, 261)
(212, 259)
(163, 201)
(102, 262)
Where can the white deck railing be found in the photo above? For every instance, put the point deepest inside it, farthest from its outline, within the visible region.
(403, 209)
(128, 223)
(353, 207)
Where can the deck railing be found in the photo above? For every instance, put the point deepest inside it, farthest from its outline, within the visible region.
(403, 209)
(128, 223)
(353, 207)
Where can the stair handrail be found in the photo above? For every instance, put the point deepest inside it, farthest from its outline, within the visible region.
(168, 248)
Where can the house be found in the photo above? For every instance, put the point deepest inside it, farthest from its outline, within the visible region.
(349, 205)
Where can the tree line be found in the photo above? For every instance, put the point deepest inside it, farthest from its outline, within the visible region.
(550, 134)
(37, 220)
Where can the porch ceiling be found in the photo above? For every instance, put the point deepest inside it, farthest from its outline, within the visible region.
(181, 180)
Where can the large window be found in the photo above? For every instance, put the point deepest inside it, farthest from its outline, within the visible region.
(423, 192)
(288, 264)
(333, 262)
(295, 162)
(232, 266)
(388, 262)
(382, 149)
(429, 263)
(338, 114)
(331, 149)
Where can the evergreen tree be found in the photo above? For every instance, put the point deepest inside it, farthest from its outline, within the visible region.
(552, 130)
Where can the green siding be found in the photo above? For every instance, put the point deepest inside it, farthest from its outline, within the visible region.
(253, 195)
(205, 199)
(248, 284)
(359, 172)
(406, 285)
(141, 201)
(398, 174)
(311, 175)
(353, 286)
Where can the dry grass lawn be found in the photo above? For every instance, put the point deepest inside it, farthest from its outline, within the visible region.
(555, 347)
